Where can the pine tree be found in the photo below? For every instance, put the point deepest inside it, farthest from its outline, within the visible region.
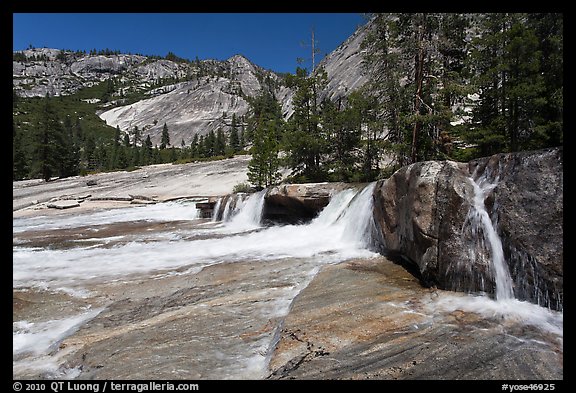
(194, 147)
(242, 141)
(148, 153)
(136, 136)
(70, 151)
(126, 140)
(305, 141)
(547, 111)
(506, 64)
(165, 138)
(264, 165)
(19, 161)
(48, 141)
(210, 144)
(202, 147)
(220, 144)
(234, 138)
(416, 64)
(117, 134)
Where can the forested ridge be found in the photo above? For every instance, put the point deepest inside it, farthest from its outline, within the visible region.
(441, 86)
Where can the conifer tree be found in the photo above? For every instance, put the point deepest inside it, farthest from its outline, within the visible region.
(165, 138)
(48, 141)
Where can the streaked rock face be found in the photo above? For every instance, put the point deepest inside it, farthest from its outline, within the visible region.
(344, 67)
(199, 106)
(211, 91)
(56, 72)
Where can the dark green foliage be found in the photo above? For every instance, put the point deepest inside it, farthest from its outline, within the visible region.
(220, 143)
(165, 138)
(194, 152)
(305, 141)
(442, 86)
(517, 64)
(266, 128)
(425, 70)
(210, 145)
(234, 137)
(264, 165)
(48, 142)
(19, 163)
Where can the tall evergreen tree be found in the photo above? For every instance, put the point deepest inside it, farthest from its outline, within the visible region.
(548, 109)
(194, 147)
(210, 144)
(70, 151)
(136, 136)
(202, 147)
(304, 139)
(19, 162)
(126, 140)
(264, 165)
(165, 138)
(506, 60)
(220, 143)
(234, 137)
(148, 153)
(416, 66)
(48, 141)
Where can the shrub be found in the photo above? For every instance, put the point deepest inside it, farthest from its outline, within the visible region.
(242, 187)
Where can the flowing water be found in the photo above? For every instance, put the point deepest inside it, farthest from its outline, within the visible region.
(221, 286)
(485, 233)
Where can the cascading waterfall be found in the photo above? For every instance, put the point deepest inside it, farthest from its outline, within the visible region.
(350, 212)
(216, 210)
(358, 218)
(228, 207)
(250, 212)
(483, 229)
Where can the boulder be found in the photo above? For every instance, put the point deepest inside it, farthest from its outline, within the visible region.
(419, 212)
(421, 215)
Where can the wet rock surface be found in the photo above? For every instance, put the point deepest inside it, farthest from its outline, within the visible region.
(422, 210)
(367, 320)
(528, 203)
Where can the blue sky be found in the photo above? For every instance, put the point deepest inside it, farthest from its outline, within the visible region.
(273, 41)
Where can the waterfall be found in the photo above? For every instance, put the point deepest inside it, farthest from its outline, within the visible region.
(484, 231)
(350, 212)
(216, 210)
(358, 218)
(250, 212)
(228, 207)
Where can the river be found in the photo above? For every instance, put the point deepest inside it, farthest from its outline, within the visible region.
(154, 291)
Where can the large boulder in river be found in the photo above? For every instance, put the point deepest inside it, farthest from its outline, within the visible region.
(419, 212)
(422, 216)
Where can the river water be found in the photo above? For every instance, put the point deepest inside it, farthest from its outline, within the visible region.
(218, 289)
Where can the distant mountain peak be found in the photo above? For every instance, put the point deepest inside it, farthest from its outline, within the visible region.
(191, 97)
